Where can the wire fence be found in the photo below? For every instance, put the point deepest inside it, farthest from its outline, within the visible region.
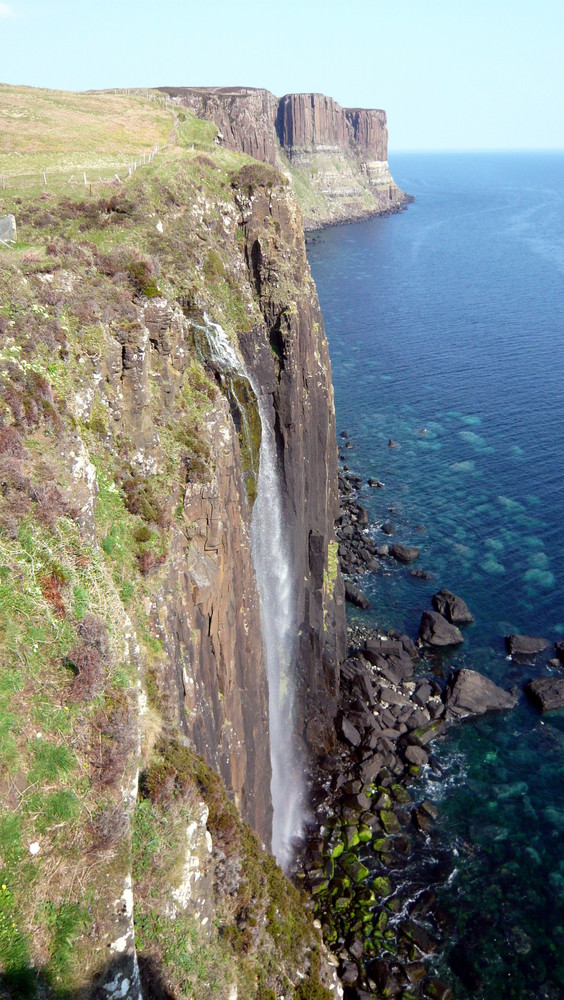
(58, 179)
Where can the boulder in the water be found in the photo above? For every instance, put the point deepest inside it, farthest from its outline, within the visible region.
(404, 553)
(469, 693)
(434, 630)
(452, 607)
(525, 646)
(355, 595)
(547, 693)
(559, 647)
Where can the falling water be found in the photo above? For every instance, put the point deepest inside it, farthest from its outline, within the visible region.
(274, 579)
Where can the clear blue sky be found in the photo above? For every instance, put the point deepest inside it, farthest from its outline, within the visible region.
(451, 74)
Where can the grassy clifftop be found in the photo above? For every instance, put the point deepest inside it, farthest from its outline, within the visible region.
(65, 134)
(99, 433)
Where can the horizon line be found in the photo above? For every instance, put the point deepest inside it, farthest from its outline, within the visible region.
(477, 149)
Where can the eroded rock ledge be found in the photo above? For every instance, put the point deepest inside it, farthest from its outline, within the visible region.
(337, 157)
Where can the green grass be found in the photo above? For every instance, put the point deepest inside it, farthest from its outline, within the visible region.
(74, 292)
(65, 923)
(65, 135)
(50, 761)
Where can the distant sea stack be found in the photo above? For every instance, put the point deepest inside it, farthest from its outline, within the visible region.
(335, 157)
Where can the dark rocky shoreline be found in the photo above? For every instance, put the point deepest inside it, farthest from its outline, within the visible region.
(364, 821)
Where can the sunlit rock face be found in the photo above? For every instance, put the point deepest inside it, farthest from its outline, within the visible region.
(337, 157)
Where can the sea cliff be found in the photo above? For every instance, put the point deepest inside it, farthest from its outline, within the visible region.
(135, 740)
(335, 157)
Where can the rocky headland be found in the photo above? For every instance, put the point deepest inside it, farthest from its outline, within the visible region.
(335, 157)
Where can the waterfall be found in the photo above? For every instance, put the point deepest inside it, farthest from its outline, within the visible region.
(273, 572)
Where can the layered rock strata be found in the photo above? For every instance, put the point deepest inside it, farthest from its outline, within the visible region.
(336, 157)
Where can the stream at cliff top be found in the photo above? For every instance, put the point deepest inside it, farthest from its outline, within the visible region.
(446, 334)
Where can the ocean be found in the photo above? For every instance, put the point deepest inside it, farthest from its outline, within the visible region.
(446, 332)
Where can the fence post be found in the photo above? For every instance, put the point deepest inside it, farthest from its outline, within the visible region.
(44, 179)
(85, 181)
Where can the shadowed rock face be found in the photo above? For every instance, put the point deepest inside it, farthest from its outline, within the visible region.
(289, 360)
(370, 131)
(340, 154)
(207, 610)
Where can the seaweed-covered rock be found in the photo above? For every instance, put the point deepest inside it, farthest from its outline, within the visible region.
(421, 737)
(437, 990)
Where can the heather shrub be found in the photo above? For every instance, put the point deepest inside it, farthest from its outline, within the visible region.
(11, 442)
(89, 667)
(108, 827)
(114, 731)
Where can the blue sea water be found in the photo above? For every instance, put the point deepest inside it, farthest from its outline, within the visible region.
(446, 332)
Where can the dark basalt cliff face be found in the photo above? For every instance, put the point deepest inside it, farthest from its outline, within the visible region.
(370, 131)
(125, 535)
(244, 116)
(311, 121)
(336, 157)
(289, 356)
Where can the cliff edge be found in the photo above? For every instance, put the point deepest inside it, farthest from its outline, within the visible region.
(335, 157)
(154, 333)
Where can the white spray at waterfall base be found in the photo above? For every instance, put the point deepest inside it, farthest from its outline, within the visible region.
(274, 574)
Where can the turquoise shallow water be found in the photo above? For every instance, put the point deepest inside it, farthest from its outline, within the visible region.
(446, 333)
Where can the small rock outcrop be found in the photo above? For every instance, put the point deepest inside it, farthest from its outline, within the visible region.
(469, 693)
(434, 630)
(404, 553)
(355, 595)
(525, 646)
(452, 607)
(547, 693)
